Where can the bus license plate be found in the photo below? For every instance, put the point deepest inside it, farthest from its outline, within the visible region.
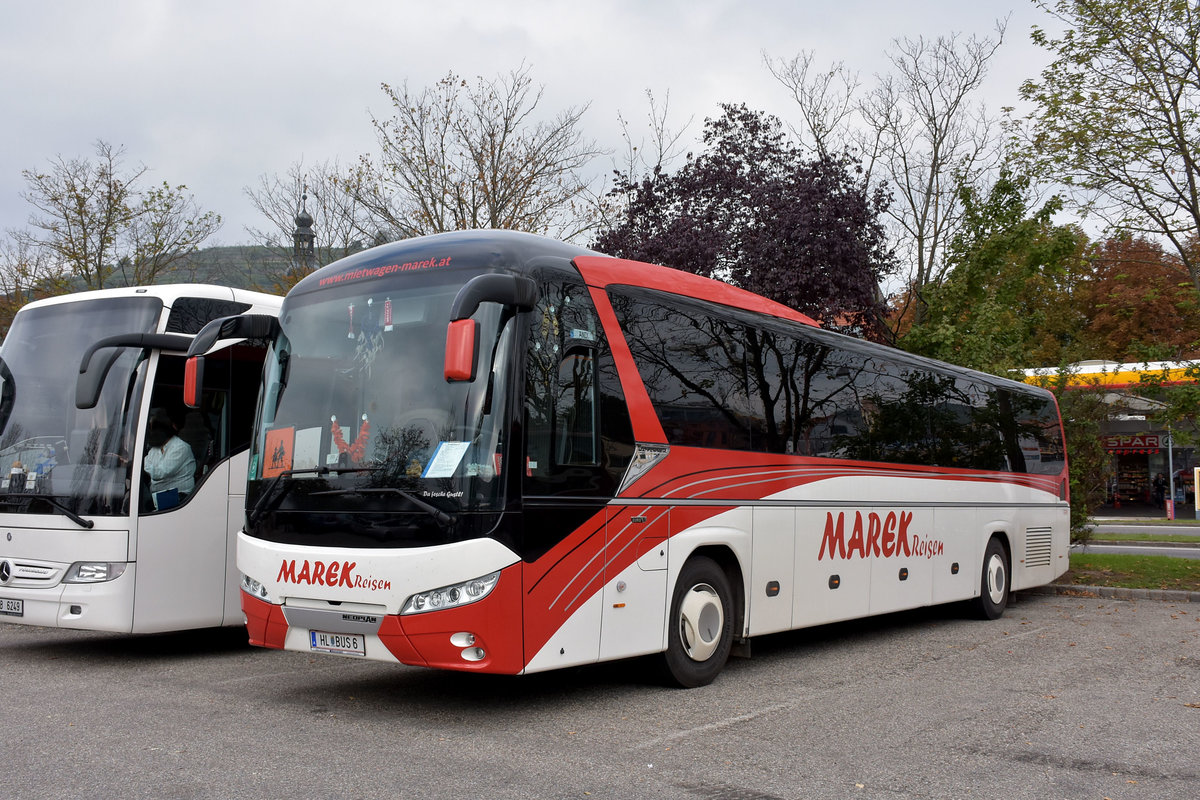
(345, 644)
(12, 608)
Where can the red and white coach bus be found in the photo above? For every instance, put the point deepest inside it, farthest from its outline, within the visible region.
(85, 540)
(493, 451)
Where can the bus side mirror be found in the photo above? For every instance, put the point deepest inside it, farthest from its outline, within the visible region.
(193, 381)
(462, 350)
(462, 336)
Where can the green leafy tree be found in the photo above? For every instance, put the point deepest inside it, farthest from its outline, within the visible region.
(1083, 411)
(95, 221)
(1117, 116)
(1010, 300)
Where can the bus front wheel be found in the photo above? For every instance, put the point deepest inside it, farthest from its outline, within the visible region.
(994, 582)
(701, 624)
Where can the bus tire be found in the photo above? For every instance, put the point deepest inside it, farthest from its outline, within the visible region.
(994, 581)
(700, 628)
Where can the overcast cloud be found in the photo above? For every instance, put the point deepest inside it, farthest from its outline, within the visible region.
(214, 94)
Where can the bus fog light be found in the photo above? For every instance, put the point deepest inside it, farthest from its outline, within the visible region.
(93, 572)
(462, 639)
(458, 594)
(473, 654)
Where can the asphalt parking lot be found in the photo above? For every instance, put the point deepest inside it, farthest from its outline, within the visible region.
(1064, 697)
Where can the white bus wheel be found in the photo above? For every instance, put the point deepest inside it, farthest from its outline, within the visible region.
(994, 581)
(701, 624)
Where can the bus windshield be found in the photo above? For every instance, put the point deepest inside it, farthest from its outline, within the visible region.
(73, 459)
(358, 420)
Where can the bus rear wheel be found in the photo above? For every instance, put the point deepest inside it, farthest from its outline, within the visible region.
(994, 581)
(700, 633)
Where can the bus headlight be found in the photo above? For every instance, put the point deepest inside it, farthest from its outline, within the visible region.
(93, 572)
(459, 594)
(255, 589)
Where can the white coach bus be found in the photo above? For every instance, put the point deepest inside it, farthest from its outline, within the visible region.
(84, 542)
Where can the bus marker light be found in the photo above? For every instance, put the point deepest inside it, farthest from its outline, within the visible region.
(773, 589)
(954, 568)
(904, 573)
(835, 581)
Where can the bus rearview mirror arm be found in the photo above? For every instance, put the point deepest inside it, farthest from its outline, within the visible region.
(91, 377)
(462, 334)
(246, 326)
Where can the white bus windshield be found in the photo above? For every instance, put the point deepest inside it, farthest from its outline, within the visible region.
(357, 418)
(49, 449)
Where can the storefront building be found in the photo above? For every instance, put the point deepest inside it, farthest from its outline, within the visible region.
(1145, 453)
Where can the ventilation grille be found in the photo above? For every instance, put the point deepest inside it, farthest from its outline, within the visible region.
(1038, 546)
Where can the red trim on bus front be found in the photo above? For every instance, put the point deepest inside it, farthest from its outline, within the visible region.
(264, 622)
(392, 635)
(564, 579)
(604, 271)
(494, 622)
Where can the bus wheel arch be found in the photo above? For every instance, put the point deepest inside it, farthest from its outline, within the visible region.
(706, 613)
(995, 580)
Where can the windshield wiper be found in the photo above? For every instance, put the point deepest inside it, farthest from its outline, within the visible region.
(428, 508)
(267, 503)
(66, 511)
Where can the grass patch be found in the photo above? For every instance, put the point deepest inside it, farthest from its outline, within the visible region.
(1133, 572)
(1145, 537)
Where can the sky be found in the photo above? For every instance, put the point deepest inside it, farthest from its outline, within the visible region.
(216, 94)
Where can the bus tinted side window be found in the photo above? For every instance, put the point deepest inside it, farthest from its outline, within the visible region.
(695, 370)
(1035, 428)
(728, 379)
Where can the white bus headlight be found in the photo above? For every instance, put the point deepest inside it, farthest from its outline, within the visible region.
(93, 572)
(255, 589)
(459, 594)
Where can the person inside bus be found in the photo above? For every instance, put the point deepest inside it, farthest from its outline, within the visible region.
(169, 463)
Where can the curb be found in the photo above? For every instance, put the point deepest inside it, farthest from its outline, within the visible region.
(1115, 592)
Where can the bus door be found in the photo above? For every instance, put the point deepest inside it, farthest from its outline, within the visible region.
(578, 442)
(185, 546)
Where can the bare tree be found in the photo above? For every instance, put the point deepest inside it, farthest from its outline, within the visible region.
(658, 147)
(25, 274)
(1118, 115)
(95, 221)
(919, 130)
(645, 156)
(826, 100)
(458, 155)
